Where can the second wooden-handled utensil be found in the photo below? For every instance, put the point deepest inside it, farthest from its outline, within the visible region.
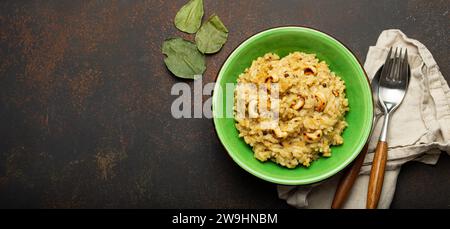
(394, 83)
(351, 173)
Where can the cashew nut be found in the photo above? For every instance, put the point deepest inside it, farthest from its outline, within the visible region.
(299, 104)
(335, 93)
(310, 71)
(312, 137)
(279, 133)
(253, 109)
(272, 78)
(320, 105)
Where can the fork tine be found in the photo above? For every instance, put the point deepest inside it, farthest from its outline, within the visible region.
(399, 74)
(405, 66)
(388, 57)
(387, 64)
(393, 67)
(406, 59)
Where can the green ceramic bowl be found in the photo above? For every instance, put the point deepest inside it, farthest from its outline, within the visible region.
(282, 41)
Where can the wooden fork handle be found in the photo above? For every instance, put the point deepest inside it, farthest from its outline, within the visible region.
(377, 175)
(348, 179)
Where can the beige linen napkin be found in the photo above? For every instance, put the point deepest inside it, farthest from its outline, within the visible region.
(419, 129)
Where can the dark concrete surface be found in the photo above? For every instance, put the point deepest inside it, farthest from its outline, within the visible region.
(85, 101)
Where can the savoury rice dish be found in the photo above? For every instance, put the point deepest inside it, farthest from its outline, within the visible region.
(310, 105)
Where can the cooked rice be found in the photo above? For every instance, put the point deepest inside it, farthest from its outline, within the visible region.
(312, 105)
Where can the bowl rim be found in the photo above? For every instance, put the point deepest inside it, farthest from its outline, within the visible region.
(281, 181)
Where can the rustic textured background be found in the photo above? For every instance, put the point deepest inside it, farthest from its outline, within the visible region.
(85, 101)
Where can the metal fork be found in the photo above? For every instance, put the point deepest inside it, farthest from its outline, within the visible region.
(394, 83)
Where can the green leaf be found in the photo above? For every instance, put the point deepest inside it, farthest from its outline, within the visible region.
(183, 58)
(211, 36)
(189, 18)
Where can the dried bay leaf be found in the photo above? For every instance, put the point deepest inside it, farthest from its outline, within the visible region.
(211, 36)
(189, 17)
(183, 58)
